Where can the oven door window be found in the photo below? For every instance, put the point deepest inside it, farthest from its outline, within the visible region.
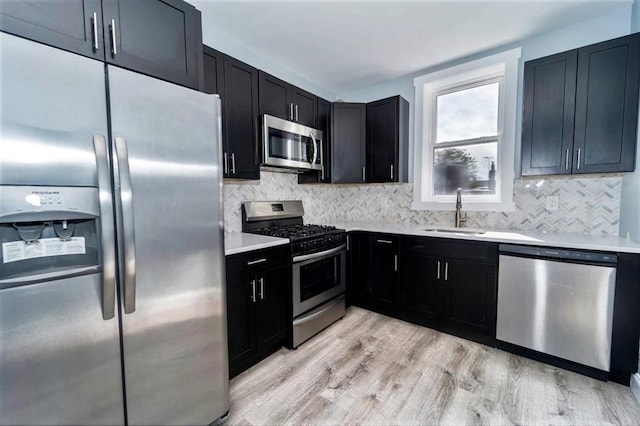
(318, 277)
(290, 146)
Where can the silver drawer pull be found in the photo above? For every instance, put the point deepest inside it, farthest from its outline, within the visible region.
(384, 241)
(253, 262)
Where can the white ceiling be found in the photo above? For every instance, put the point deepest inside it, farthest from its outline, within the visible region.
(346, 45)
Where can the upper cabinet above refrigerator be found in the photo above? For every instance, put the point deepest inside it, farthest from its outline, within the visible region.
(160, 38)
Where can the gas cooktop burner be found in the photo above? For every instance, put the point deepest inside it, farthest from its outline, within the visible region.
(294, 232)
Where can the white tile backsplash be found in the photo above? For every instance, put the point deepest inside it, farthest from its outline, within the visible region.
(588, 205)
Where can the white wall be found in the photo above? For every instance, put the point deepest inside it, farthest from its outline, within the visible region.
(635, 17)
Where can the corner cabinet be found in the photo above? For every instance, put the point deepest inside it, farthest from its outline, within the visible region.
(387, 140)
(348, 142)
(580, 112)
(160, 38)
(237, 85)
(450, 286)
(257, 291)
(283, 100)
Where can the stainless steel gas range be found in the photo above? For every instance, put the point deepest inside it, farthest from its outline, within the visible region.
(319, 264)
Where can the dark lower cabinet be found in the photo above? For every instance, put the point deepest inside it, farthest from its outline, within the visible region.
(160, 38)
(450, 286)
(257, 294)
(358, 267)
(382, 277)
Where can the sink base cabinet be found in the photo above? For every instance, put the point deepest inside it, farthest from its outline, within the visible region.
(457, 296)
(257, 295)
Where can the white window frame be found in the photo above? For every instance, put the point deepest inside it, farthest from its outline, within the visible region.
(501, 67)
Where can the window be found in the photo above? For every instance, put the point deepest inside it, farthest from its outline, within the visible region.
(465, 135)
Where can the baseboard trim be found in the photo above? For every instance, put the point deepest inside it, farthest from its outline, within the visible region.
(635, 385)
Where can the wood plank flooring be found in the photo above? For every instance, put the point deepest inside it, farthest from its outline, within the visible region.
(371, 369)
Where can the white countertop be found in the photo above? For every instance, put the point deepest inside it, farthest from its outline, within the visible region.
(536, 238)
(242, 242)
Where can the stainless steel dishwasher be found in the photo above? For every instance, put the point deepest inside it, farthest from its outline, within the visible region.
(558, 302)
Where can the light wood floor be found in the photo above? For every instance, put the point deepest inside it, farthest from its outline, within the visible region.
(371, 369)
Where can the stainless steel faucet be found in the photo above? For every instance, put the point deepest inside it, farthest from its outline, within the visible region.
(461, 217)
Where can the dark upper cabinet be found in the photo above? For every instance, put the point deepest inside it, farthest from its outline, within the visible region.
(160, 38)
(348, 142)
(73, 25)
(237, 85)
(240, 120)
(324, 125)
(549, 108)
(606, 120)
(283, 100)
(580, 111)
(213, 71)
(387, 140)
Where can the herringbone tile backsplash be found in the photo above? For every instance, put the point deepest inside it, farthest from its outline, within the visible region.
(588, 205)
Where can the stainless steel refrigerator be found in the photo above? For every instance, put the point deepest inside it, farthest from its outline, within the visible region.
(112, 299)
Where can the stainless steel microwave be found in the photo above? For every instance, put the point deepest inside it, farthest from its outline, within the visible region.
(291, 145)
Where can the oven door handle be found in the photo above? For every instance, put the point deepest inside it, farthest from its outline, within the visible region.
(322, 254)
(302, 320)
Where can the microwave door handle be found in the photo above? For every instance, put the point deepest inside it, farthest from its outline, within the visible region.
(315, 149)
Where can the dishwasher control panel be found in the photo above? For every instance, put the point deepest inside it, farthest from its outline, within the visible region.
(559, 253)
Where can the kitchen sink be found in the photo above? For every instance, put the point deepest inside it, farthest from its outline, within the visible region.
(454, 230)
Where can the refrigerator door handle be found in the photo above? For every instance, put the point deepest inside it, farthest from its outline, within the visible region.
(107, 230)
(126, 205)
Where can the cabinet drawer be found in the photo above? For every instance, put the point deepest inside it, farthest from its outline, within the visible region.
(453, 249)
(257, 260)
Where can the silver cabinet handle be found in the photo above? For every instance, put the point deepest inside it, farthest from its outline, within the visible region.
(253, 291)
(384, 241)
(446, 271)
(254, 262)
(233, 163)
(108, 237)
(348, 247)
(225, 161)
(128, 233)
(392, 176)
(112, 29)
(438, 275)
(261, 280)
(296, 109)
(395, 262)
(579, 151)
(291, 111)
(566, 160)
(94, 24)
(363, 176)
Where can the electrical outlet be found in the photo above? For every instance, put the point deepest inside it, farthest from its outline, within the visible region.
(552, 203)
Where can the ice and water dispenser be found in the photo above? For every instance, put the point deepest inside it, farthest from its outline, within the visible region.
(48, 233)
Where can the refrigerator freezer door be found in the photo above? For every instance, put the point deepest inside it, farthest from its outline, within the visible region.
(60, 361)
(174, 339)
(52, 103)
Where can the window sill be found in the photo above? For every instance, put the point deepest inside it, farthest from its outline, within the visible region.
(470, 206)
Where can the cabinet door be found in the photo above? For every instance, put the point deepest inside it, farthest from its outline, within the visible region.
(383, 273)
(271, 313)
(241, 321)
(382, 140)
(305, 109)
(549, 107)
(65, 24)
(607, 106)
(359, 256)
(348, 141)
(421, 286)
(470, 294)
(240, 126)
(213, 71)
(160, 38)
(275, 97)
(324, 125)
